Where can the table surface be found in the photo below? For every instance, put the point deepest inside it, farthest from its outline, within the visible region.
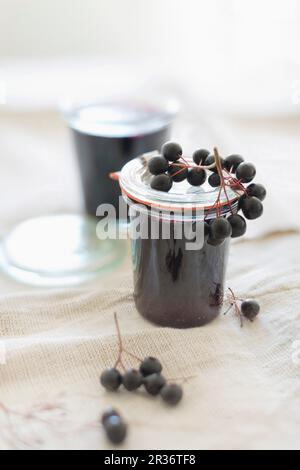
(241, 385)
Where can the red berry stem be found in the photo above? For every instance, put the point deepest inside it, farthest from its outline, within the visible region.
(122, 350)
(180, 171)
(220, 172)
(186, 164)
(217, 205)
(185, 161)
(232, 182)
(234, 303)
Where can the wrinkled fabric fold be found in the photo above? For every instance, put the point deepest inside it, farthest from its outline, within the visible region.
(242, 387)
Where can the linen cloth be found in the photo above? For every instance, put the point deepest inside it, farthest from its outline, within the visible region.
(242, 385)
(242, 390)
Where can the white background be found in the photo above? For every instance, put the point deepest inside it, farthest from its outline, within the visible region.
(234, 65)
(239, 55)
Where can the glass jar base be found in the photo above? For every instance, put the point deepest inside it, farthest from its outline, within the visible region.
(57, 251)
(180, 322)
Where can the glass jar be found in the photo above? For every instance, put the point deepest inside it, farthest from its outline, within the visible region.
(108, 133)
(178, 276)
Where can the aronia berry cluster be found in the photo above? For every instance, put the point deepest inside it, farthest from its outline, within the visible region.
(149, 376)
(223, 173)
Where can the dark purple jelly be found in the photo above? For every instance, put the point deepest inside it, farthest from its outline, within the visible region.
(108, 135)
(177, 287)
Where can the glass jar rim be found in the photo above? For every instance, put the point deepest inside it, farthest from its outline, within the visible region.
(134, 181)
(120, 116)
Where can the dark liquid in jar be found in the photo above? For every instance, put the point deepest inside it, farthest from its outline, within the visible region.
(108, 136)
(177, 287)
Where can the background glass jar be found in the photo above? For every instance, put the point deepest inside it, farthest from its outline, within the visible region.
(108, 133)
(175, 285)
